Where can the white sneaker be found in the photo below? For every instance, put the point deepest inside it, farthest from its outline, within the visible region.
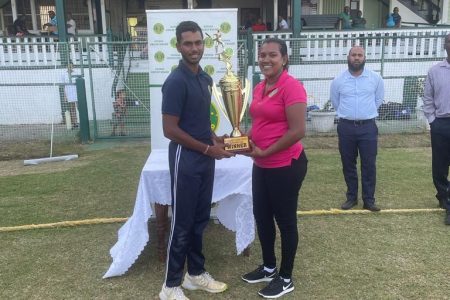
(172, 293)
(203, 282)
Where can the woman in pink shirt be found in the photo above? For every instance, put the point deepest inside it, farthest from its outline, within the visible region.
(278, 111)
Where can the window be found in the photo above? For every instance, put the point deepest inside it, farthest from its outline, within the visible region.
(310, 7)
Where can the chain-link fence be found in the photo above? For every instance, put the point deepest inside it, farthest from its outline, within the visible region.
(36, 84)
(37, 94)
(318, 60)
(120, 90)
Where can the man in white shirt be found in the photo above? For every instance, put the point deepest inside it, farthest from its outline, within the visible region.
(70, 94)
(282, 24)
(71, 25)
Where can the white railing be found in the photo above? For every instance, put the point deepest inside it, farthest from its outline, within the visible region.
(45, 50)
(334, 45)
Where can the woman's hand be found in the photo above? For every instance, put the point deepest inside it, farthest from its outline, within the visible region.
(255, 151)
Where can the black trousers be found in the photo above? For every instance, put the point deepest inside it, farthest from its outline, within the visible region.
(359, 138)
(275, 196)
(440, 149)
(192, 177)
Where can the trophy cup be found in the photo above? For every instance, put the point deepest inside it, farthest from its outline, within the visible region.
(232, 100)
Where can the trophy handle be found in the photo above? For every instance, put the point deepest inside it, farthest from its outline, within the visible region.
(246, 95)
(218, 96)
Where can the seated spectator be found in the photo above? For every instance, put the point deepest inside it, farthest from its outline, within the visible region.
(259, 25)
(249, 21)
(20, 27)
(394, 20)
(358, 21)
(52, 26)
(71, 25)
(344, 20)
(282, 24)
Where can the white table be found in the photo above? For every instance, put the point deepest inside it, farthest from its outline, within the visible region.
(232, 193)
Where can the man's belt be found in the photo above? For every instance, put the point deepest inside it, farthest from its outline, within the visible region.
(357, 122)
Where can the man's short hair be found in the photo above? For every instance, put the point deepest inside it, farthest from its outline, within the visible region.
(187, 26)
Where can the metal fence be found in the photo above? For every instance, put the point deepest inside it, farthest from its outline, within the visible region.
(33, 93)
(403, 76)
(34, 96)
(120, 91)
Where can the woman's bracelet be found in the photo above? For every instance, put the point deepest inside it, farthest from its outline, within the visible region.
(206, 150)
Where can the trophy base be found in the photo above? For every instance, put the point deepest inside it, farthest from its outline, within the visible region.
(237, 144)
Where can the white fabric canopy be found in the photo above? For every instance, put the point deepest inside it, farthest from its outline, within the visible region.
(232, 192)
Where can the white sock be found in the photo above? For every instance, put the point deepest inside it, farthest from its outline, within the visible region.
(268, 269)
(287, 280)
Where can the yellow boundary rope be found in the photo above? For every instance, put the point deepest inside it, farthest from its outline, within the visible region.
(300, 213)
(63, 224)
(334, 211)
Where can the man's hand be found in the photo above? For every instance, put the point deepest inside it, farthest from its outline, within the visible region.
(219, 139)
(217, 150)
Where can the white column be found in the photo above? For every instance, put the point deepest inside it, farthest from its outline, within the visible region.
(103, 10)
(275, 15)
(444, 12)
(190, 4)
(33, 15)
(91, 16)
(14, 9)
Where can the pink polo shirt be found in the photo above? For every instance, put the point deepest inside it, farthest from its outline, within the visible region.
(269, 121)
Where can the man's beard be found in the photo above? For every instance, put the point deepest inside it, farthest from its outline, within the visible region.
(356, 68)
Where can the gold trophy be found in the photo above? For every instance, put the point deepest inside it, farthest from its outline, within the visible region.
(232, 100)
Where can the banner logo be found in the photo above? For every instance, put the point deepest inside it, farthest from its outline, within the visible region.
(159, 56)
(209, 69)
(158, 28)
(214, 116)
(225, 27)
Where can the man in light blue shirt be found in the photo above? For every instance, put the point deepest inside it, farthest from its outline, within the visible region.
(356, 95)
(52, 26)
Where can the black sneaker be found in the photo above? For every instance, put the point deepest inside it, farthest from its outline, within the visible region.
(277, 288)
(259, 275)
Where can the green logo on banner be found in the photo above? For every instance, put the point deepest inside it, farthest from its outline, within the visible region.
(209, 42)
(159, 56)
(229, 52)
(225, 27)
(158, 28)
(173, 42)
(209, 69)
(214, 116)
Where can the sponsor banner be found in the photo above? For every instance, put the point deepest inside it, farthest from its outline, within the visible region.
(163, 57)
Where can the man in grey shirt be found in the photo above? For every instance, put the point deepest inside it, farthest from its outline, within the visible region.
(436, 107)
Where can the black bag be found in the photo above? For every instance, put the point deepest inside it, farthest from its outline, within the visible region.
(394, 111)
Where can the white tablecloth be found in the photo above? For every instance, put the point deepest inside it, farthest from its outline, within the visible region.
(232, 192)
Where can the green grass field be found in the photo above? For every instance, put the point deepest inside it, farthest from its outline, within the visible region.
(366, 256)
